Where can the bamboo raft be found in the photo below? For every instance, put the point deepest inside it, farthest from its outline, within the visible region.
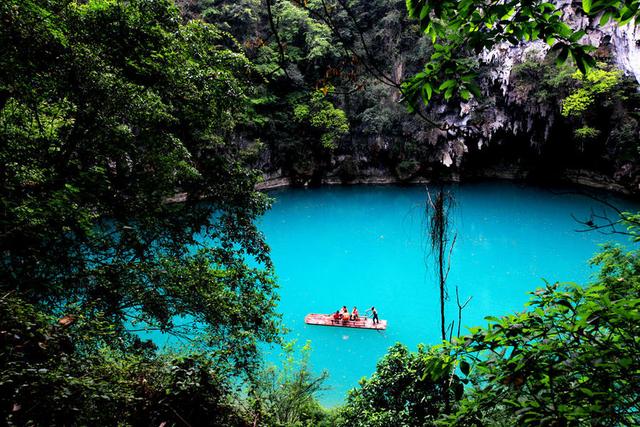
(327, 320)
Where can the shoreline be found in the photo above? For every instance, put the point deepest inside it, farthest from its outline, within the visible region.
(580, 178)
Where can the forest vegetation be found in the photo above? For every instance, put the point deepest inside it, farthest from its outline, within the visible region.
(110, 108)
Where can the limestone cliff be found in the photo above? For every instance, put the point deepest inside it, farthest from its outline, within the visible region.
(513, 128)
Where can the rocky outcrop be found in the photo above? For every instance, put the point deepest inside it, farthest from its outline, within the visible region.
(622, 43)
(509, 133)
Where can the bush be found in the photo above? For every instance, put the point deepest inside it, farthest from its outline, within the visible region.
(407, 389)
(76, 371)
(572, 358)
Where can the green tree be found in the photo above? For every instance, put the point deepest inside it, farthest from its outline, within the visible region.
(597, 82)
(319, 115)
(286, 395)
(108, 109)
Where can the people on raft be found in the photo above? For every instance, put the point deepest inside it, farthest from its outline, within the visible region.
(344, 315)
(374, 314)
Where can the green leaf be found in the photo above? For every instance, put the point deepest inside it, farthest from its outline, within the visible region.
(447, 84)
(577, 35)
(605, 18)
(465, 367)
(474, 89)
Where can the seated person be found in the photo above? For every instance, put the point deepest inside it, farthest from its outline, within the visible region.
(336, 316)
(354, 314)
(345, 316)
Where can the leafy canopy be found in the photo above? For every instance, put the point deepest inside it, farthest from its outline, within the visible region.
(597, 82)
(107, 110)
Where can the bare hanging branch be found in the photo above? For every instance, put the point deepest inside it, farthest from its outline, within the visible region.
(450, 329)
(460, 308)
(602, 222)
(453, 243)
(438, 212)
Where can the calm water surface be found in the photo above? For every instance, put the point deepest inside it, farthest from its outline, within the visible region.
(365, 246)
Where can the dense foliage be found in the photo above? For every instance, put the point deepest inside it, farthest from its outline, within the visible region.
(118, 108)
(129, 133)
(355, 57)
(407, 389)
(341, 66)
(55, 373)
(107, 110)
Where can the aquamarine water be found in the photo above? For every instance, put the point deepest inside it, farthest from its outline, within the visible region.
(366, 245)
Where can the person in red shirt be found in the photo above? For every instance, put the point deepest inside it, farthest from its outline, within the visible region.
(336, 316)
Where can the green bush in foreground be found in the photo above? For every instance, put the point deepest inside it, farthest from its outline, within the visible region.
(79, 371)
(572, 358)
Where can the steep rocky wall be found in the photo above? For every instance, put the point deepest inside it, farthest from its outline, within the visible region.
(621, 43)
(508, 115)
(507, 133)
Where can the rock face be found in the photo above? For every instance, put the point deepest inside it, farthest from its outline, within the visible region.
(511, 132)
(625, 41)
(511, 115)
(622, 44)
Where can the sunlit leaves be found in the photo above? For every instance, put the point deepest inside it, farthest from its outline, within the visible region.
(322, 117)
(597, 83)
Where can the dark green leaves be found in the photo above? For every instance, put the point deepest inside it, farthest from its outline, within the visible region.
(465, 367)
(408, 388)
(109, 109)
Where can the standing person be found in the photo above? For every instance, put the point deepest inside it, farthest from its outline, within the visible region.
(374, 314)
(354, 314)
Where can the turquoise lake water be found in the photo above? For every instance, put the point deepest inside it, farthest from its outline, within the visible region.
(365, 246)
